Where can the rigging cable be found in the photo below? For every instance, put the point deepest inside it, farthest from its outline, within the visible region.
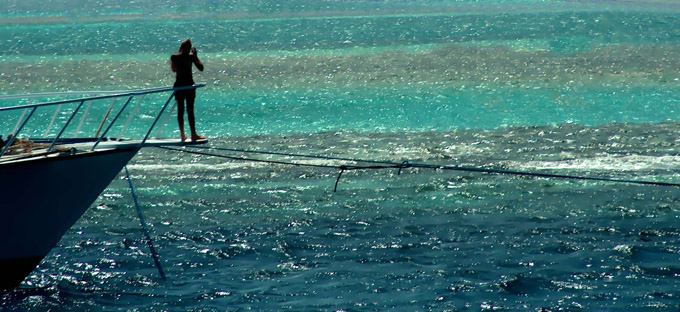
(145, 228)
(378, 164)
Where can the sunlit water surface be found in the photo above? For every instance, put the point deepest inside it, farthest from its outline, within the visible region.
(564, 87)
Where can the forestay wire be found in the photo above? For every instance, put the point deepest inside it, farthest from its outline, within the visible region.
(378, 164)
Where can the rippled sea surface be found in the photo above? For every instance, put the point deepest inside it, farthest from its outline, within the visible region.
(565, 87)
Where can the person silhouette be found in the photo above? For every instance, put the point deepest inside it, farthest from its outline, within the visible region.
(180, 64)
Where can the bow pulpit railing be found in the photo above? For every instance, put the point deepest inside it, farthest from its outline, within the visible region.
(85, 118)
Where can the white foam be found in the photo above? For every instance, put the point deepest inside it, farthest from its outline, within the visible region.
(191, 167)
(609, 162)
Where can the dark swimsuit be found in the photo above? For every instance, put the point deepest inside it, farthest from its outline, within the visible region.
(183, 75)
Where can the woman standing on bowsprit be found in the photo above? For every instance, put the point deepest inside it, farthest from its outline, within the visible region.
(181, 65)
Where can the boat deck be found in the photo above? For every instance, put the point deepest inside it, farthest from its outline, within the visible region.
(38, 150)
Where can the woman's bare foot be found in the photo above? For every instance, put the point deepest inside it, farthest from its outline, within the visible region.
(196, 137)
(184, 137)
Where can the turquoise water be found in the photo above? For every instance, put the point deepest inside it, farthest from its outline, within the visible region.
(567, 87)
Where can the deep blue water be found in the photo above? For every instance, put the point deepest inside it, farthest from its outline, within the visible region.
(566, 87)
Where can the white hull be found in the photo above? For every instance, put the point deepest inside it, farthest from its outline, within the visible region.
(41, 198)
